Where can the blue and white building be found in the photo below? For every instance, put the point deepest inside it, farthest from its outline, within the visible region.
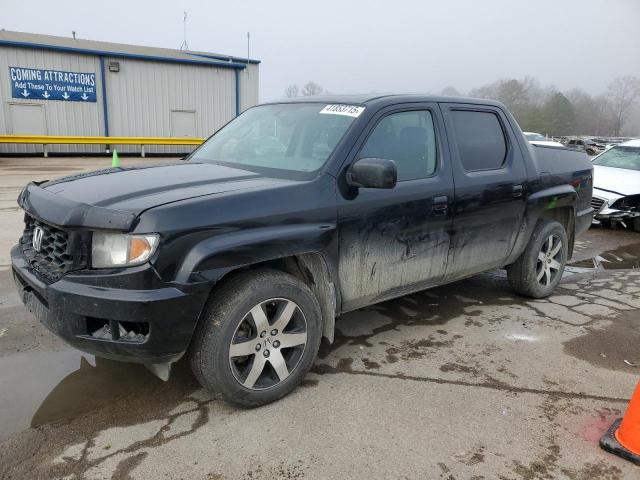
(65, 86)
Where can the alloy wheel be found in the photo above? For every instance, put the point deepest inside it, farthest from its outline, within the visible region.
(549, 262)
(268, 344)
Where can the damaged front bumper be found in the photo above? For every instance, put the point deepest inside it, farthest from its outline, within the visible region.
(615, 215)
(126, 314)
(612, 207)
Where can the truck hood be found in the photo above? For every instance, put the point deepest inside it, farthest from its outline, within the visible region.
(616, 180)
(114, 197)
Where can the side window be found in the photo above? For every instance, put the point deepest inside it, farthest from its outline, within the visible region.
(407, 138)
(480, 140)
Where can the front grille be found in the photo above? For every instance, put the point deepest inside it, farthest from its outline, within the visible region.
(61, 251)
(597, 204)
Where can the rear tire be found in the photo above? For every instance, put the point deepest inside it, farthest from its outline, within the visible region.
(539, 269)
(257, 338)
(636, 224)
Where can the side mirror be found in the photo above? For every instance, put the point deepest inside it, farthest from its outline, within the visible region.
(373, 173)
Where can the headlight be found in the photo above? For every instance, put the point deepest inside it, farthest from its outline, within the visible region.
(121, 250)
(631, 203)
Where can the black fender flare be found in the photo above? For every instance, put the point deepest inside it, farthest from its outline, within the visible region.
(213, 258)
(542, 204)
(553, 197)
(210, 259)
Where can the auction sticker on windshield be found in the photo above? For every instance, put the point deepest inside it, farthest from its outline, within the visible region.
(349, 110)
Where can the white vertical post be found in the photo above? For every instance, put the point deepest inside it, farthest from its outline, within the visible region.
(142, 154)
(44, 148)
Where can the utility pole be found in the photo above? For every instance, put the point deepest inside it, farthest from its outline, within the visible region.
(184, 45)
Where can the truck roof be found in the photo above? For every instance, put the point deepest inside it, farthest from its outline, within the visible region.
(377, 98)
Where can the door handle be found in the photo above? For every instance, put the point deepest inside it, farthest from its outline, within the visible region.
(440, 205)
(517, 191)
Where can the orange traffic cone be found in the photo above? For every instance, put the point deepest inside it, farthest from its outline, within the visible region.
(623, 437)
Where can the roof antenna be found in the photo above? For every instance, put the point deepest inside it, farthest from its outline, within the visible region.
(184, 45)
(73, 33)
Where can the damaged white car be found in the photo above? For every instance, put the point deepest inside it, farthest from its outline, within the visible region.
(616, 186)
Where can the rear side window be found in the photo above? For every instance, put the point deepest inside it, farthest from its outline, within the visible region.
(480, 140)
(407, 138)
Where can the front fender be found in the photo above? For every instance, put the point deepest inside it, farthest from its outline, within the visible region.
(210, 259)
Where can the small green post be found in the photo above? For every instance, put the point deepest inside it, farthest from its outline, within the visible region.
(115, 162)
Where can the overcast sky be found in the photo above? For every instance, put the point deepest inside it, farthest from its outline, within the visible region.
(365, 46)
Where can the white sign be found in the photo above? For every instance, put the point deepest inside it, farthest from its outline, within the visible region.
(348, 110)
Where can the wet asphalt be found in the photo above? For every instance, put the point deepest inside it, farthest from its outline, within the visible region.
(465, 381)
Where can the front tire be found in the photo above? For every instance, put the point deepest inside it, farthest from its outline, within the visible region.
(539, 269)
(257, 338)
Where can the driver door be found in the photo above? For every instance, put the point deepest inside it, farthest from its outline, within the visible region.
(395, 241)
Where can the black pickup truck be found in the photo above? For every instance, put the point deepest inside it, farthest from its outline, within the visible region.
(243, 254)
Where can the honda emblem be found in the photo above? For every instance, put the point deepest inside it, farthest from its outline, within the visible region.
(38, 233)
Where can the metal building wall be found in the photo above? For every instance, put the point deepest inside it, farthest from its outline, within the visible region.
(4, 129)
(61, 118)
(142, 95)
(248, 86)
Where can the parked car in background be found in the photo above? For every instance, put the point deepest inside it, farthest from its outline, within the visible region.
(585, 145)
(596, 145)
(539, 139)
(616, 185)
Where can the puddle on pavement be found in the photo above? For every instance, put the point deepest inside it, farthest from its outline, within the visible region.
(615, 346)
(626, 257)
(45, 387)
(610, 346)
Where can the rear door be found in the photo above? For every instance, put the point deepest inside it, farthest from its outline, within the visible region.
(489, 176)
(395, 241)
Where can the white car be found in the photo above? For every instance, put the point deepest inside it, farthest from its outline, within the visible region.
(616, 185)
(539, 139)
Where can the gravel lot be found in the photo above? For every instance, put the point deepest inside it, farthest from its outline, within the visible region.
(466, 381)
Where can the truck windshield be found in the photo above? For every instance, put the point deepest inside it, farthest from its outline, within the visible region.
(294, 138)
(620, 157)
